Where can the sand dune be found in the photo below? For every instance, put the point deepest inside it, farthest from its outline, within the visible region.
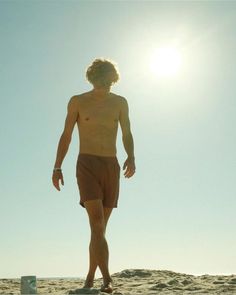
(135, 281)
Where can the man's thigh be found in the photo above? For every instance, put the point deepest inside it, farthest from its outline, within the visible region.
(95, 211)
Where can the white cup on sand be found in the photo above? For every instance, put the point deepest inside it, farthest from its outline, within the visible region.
(28, 285)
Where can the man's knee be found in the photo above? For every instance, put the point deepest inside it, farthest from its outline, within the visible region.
(96, 216)
(97, 226)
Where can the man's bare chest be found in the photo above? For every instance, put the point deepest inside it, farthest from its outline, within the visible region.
(99, 114)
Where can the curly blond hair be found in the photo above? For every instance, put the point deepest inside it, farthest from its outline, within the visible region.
(102, 73)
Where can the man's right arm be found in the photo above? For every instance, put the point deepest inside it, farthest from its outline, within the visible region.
(65, 139)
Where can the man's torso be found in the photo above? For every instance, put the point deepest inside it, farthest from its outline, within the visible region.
(98, 123)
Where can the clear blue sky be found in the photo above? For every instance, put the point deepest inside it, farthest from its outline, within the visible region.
(178, 211)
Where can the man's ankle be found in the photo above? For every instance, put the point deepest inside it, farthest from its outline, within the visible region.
(88, 283)
(107, 280)
(107, 286)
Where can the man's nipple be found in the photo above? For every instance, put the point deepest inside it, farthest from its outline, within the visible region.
(87, 118)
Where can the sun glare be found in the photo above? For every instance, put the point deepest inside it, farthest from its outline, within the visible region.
(165, 61)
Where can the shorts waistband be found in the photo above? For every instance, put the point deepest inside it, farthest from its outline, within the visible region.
(84, 155)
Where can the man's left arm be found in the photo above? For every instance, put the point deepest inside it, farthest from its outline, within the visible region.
(127, 139)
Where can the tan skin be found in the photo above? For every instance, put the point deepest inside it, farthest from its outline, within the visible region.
(97, 114)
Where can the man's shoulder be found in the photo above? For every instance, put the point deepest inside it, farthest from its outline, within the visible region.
(119, 98)
(80, 97)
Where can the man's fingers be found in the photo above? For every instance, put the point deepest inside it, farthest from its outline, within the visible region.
(55, 180)
(129, 174)
(56, 184)
(129, 171)
(126, 172)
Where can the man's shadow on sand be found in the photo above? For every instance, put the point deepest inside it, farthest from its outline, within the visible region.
(85, 291)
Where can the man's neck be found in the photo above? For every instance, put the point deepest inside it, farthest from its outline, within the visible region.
(100, 93)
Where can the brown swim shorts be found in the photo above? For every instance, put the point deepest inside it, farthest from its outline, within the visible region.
(98, 177)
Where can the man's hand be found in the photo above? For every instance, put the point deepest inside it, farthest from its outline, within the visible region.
(129, 165)
(56, 176)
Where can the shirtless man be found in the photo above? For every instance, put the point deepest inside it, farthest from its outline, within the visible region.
(97, 113)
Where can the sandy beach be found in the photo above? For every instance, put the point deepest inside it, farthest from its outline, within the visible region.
(134, 281)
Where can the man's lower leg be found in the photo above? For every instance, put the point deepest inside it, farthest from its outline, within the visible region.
(99, 249)
(92, 269)
(93, 264)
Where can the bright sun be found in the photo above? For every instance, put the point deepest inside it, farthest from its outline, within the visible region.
(165, 61)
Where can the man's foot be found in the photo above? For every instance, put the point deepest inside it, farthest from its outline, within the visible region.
(88, 284)
(107, 287)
